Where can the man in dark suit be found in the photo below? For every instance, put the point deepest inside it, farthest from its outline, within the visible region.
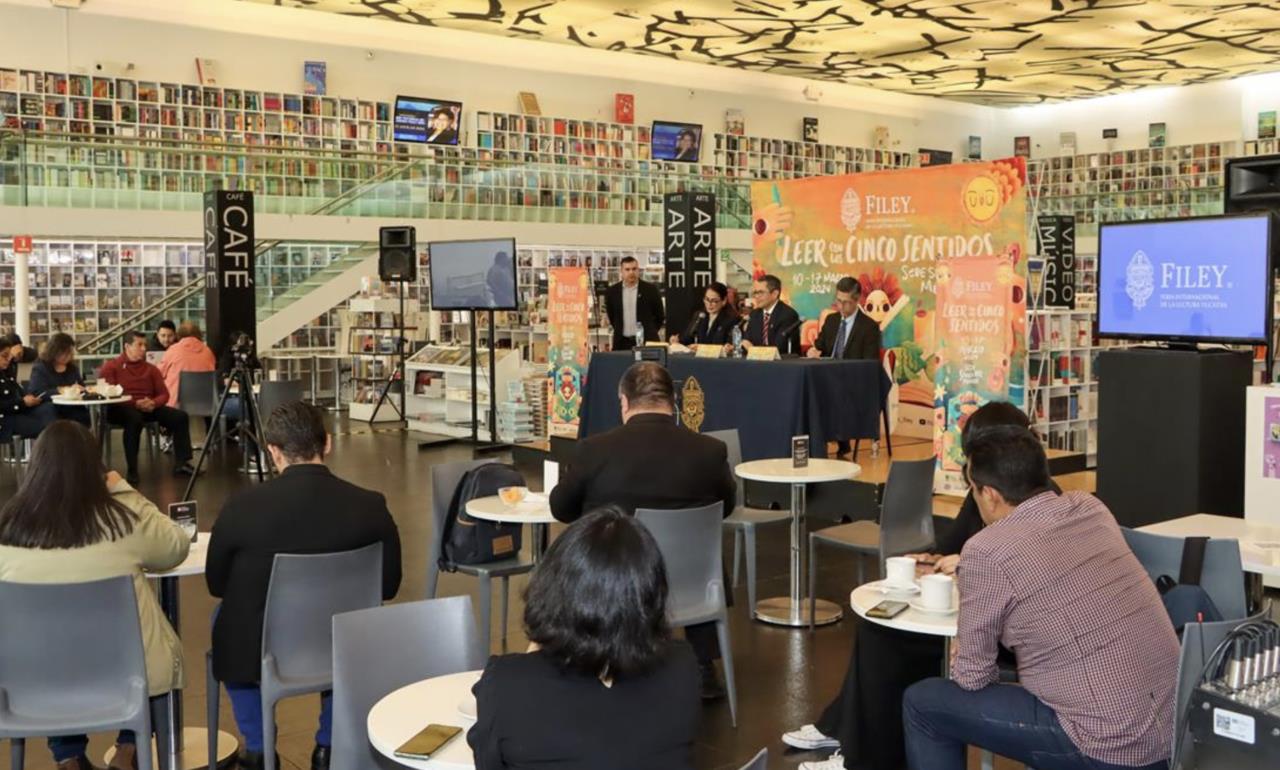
(306, 509)
(650, 462)
(773, 323)
(849, 334)
(633, 306)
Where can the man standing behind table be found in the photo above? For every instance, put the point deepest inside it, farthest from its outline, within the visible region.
(144, 384)
(651, 462)
(773, 323)
(849, 334)
(1051, 578)
(633, 306)
(306, 509)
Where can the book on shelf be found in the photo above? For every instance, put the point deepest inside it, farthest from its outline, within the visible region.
(206, 72)
(624, 109)
(314, 78)
(529, 103)
(810, 130)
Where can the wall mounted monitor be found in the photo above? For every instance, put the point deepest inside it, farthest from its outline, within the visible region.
(473, 275)
(426, 121)
(676, 141)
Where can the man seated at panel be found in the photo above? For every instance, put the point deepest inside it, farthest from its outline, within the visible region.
(149, 399)
(650, 462)
(1051, 578)
(773, 323)
(849, 334)
(306, 509)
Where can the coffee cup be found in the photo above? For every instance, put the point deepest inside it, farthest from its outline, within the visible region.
(900, 571)
(935, 592)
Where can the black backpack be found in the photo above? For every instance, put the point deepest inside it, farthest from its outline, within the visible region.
(1184, 599)
(468, 540)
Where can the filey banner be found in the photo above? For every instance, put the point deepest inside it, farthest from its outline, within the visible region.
(890, 229)
(567, 289)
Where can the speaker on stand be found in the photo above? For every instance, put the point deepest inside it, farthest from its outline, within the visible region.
(397, 263)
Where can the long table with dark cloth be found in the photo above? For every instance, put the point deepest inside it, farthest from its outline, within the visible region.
(767, 401)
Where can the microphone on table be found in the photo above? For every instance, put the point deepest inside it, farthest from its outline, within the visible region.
(783, 334)
(688, 330)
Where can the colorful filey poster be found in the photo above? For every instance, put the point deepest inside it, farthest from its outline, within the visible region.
(568, 289)
(889, 229)
(1271, 439)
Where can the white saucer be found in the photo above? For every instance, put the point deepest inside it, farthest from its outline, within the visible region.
(917, 605)
(886, 588)
(467, 708)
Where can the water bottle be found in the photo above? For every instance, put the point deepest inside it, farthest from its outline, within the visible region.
(737, 341)
(639, 336)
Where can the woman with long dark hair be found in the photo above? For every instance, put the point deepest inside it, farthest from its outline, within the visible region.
(72, 521)
(603, 686)
(56, 369)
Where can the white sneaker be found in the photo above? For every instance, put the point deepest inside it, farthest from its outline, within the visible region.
(809, 738)
(833, 762)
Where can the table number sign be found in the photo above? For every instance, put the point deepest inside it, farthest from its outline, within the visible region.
(184, 515)
(709, 351)
(799, 451)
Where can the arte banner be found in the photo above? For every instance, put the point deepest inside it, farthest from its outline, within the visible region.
(981, 317)
(890, 229)
(568, 289)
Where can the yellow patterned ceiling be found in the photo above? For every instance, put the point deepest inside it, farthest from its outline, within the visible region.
(984, 51)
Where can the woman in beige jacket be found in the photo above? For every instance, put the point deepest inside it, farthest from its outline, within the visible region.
(71, 522)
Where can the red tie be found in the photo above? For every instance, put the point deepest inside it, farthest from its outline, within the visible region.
(766, 328)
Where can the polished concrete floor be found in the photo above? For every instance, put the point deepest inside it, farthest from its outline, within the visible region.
(785, 676)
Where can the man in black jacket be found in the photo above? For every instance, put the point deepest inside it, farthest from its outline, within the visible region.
(650, 462)
(849, 334)
(305, 510)
(633, 306)
(773, 323)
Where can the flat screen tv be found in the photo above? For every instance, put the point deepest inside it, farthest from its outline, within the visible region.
(1202, 279)
(426, 121)
(473, 275)
(676, 141)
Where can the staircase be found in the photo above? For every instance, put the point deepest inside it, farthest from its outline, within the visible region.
(320, 292)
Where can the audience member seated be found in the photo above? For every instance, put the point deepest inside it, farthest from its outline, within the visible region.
(603, 686)
(72, 521)
(55, 370)
(143, 383)
(233, 410)
(714, 325)
(164, 336)
(188, 354)
(306, 509)
(22, 413)
(651, 462)
(865, 719)
(1051, 578)
(19, 353)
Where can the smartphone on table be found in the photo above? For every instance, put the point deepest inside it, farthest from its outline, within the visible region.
(427, 742)
(887, 609)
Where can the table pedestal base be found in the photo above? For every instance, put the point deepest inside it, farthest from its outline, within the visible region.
(784, 611)
(195, 752)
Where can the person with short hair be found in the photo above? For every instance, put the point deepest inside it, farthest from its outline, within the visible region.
(603, 685)
(19, 353)
(848, 334)
(714, 325)
(144, 385)
(165, 335)
(187, 354)
(23, 413)
(306, 509)
(686, 145)
(634, 307)
(55, 371)
(1051, 578)
(73, 521)
(773, 323)
(442, 126)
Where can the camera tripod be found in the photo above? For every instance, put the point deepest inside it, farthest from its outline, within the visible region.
(249, 428)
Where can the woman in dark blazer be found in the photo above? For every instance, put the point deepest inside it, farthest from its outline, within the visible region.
(715, 324)
(622, 696)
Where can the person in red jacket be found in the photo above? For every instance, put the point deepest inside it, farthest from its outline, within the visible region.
(145, 385)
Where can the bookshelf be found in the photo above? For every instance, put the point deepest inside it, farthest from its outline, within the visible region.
(369, 328)
(439, 401)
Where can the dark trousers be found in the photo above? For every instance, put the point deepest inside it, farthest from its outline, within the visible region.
(132, 419)
(621, 342)
(66, 747)
(702, 638)
(942, 720)
(29, 422)
(75, 413)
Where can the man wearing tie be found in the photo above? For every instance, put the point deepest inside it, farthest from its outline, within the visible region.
(773, 323)
(633, 306)
(849, 334)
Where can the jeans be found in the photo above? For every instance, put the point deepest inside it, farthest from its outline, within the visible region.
(941, 719)
(66, 747)
(246, 704)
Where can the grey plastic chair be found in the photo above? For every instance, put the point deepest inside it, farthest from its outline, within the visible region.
(445, 478)
(276, 392)
(744, 520)
(305, 592)
(906, 523)
(52, 683)
(1222, 577)
(759, 762)
(380, 650)
(690, 540)
(198, 394)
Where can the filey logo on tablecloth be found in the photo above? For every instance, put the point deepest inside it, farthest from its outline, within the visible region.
(1139, 280)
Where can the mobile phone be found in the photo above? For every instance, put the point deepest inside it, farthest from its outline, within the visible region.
(428, 741)
(887, 609)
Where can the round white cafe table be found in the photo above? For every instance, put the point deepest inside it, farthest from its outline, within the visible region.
(534, 510)
(400, 715)
(911, 620)
(188, 747)
(793, 610)
(97, 412)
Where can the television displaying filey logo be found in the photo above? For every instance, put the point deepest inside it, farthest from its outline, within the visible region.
(1138, 281)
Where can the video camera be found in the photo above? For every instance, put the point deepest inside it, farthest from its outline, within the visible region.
(242, 352)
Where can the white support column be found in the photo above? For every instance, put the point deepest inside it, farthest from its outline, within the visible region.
(21, 296)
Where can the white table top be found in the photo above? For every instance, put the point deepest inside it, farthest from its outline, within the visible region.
(401, 714)
(780, 471)
(193, 564)
(64, 401)
(864, 597)
(1259, 544)
(533, 510)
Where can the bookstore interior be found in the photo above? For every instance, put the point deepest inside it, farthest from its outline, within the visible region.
(440, 205)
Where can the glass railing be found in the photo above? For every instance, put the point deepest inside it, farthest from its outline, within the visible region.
(82, 171)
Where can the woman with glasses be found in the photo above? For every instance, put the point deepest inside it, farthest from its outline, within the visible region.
(714, 325)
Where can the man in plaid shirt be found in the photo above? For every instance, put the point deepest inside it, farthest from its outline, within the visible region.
(1051, 578)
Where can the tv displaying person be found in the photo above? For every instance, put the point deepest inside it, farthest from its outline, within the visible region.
(714, 325)
(442, 127)
(501, 282)
(686, 146)
(773, 323)
(634, 306)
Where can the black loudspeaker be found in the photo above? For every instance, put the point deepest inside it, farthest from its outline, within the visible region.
(398, 254)
(1253, 184)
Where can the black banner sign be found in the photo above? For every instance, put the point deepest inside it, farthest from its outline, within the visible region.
(689, 253)
(229, 266)
(1057, 235)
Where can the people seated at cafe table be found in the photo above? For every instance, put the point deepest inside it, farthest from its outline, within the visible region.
(1051, 578)
(306, 509)
(864, 720)
(651, 462)
(73, 521)
(603, 685)
(165, 335)
(187, 354)
(23, 413)
(56, 371)
(149, 403)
